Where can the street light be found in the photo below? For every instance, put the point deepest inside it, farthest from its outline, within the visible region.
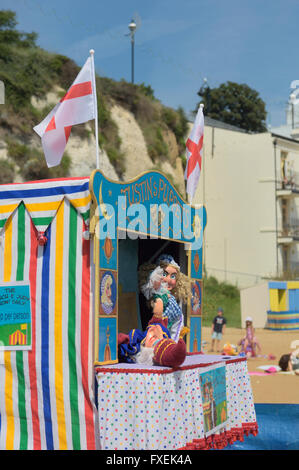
(132, 28)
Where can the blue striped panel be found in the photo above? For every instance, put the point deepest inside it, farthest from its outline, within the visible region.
(281, 329)
(292, 299)
(282, 321)
(42, 192)
(45, 342)
(285, 312)
(277, 285)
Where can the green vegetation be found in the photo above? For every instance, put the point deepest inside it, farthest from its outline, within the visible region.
(7, 171)
(177, 122)
(236, 104)
(108, 132)
(221, 294)
(27, 71)
(152, 117)
(32, 164)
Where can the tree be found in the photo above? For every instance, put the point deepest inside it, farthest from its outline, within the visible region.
(9, 34)
(23, 66)
(235, 104)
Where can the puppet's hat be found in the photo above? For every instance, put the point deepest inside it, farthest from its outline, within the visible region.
(169, 353)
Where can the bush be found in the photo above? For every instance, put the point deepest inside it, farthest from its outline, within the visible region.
(157, 148)
(18, 152)
(29, 74)
(221, 294)
(178, 123)
(32, 162)
(117, 160)
(36, 168)
(147, 90)
(7, 172)
(66, 70)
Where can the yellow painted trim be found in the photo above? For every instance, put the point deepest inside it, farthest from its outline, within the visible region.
(293, 285)
(97, 363)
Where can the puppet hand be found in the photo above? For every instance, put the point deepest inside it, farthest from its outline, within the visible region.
(184, 331)
(158, 308)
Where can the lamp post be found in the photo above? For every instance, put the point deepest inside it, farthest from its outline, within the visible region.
(132, 28)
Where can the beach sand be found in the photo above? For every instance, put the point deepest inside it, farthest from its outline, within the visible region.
(271, 388)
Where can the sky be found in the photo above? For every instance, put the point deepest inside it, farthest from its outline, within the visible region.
(178, 43)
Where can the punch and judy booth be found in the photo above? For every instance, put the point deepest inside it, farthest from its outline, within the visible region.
(152, 407)
(69, 255)
(132, 223)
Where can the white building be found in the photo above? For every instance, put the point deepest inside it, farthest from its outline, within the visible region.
(250, 187)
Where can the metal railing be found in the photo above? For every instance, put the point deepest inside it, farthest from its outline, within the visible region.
(290, 229)
(290, 182)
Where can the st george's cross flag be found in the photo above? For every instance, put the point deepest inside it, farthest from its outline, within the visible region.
(194, 146)
(77, 106)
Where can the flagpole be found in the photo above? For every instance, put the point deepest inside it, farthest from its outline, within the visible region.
(95, 107)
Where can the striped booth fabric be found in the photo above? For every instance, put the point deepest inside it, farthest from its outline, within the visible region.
(284, 305)
(46, 393)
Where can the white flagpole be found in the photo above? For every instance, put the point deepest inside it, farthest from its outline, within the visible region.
(95, 107)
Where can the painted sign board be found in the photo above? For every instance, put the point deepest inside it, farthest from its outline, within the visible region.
(15, 316)
(214, 401)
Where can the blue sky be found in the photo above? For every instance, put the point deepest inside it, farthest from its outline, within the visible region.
(178, 43)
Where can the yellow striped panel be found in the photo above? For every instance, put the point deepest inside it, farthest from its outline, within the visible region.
(284, 316)
(42, 206)
(80, 202)
(58, 329)
(283, 326)
(274, 303)
(278, 300)
(8, 208)
(45, 206)
(293, 285)
(282, 297)
(7, 354)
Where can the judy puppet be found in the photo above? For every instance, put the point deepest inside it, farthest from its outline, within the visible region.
(175, 287)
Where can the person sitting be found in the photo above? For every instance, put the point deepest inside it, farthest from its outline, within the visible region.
(290, 362)
(249, 343)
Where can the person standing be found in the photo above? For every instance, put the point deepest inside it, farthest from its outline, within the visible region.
(218, 329)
